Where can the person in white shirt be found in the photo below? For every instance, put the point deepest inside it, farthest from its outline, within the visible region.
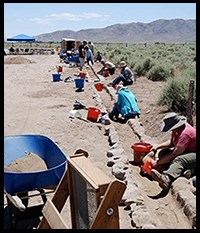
(107, 66)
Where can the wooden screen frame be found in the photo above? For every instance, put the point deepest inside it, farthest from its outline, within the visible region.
(108, 196)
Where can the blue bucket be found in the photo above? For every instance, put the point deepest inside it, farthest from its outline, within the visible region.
(79, 82)
(56, 77)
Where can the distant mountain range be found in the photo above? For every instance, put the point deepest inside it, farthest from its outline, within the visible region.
(163, 31)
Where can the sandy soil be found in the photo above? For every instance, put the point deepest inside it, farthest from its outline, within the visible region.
(34, 104)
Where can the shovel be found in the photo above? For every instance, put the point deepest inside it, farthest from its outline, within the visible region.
(94, 73)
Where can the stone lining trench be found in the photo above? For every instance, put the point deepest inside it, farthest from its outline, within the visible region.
(120, 169)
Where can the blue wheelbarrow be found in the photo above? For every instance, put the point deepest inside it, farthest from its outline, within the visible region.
(74, 59)
(18, 146)
(18, 184)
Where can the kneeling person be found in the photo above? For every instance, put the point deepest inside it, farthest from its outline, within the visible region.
(177, 156)
(126, 105)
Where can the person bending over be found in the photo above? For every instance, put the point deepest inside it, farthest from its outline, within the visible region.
(107, 66)
(126, 105)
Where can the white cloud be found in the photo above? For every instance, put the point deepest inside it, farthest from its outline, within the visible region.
(69, 17)
(91, 15)
(64, 16)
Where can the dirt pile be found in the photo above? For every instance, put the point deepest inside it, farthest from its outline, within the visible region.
(28, 163)
(17, 60)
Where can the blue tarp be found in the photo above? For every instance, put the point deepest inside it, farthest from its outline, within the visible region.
(21, 37)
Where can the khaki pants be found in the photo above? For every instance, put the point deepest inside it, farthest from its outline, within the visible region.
(180, 164)
(82, 62)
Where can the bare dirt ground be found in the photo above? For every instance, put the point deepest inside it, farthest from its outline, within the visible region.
(33, 104)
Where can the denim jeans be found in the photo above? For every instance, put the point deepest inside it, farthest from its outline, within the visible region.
(121, 78)
(90, 60)
(114, 114)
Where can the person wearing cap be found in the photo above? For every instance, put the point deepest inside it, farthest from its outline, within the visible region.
(126, 75)
(126, 105)
(107, 66)
(179, 152)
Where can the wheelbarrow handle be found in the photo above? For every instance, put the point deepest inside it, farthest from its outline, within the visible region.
(16, 201)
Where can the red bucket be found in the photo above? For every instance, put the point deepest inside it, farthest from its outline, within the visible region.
(93, 114)
(147, 167)
(59, 69)
(99, 86)
(82, 75)
(106, 73)
(140, 149)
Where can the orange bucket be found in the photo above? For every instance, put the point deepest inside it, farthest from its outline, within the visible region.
(140, 150)
(99, 86)
(93, 114)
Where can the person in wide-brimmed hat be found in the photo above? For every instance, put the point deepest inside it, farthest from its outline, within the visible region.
(177, 156)
(172, 121)
(126, 75)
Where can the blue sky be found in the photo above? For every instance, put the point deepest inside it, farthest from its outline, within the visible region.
(38, 18)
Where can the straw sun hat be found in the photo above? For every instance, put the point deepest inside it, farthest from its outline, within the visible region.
(172, 121)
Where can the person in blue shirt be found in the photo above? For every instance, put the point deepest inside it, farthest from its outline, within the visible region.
(89, 55)
(126, 105)
(98, 57)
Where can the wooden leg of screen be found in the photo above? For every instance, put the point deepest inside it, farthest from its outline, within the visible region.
(59, 199)
(107, 215)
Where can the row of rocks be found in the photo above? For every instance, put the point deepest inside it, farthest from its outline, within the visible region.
(119, 163)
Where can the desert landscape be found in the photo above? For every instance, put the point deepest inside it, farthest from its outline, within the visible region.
(34, 104)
